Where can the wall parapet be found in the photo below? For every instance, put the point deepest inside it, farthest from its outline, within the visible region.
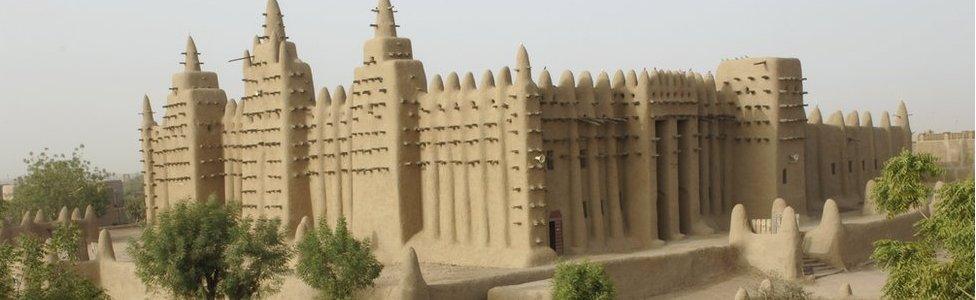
(778, 252)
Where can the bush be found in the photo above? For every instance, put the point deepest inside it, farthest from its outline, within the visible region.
(40, 278)
(939, 263)
(203, 250)
(54, 181)
(335, 262)
(778, 289)
(582, 281)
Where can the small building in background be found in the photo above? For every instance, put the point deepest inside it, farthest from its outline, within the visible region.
(953, 149)
(7, 191)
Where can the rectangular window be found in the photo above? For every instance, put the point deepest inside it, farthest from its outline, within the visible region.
(550, 161)
(784, 176)
(850, 166)
(833, 168)
(875, 163)
(863, 166)
(582, 159)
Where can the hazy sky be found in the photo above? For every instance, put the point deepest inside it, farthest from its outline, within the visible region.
(74, 71)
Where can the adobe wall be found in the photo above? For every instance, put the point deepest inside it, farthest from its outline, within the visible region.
(845, 154)
(953, 149)
(849, 243)
(629, 274)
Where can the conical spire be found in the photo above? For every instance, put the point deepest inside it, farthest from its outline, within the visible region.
(467, 84)
(192, 60)
(619, 80)
(147, 113)
(436, 84)
(631, 78)
(816, 117)
(567, 79)
(339, 94)
(901, 117)
(545, 80)
(523, 67)
(453, 82)
(488, 79)
(274, 26)
(385, 24)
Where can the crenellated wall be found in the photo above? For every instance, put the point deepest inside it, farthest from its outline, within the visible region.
(39, 226)
(842, 155)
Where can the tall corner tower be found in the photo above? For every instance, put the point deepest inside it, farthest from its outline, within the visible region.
(148, 168)
(275, 122)
(188, 145)
(768, 141)
(384, 137)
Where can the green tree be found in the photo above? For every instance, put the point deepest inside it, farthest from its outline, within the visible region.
(335, 262)
(582, 281)
(54, 181)
(183, 251)
(42, 278)
(134, 198)
(939, 263)
(901, 185)
(256, 260)
(9, 284)
(206, 250)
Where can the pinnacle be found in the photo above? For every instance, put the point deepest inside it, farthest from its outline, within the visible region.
(192, 60)
(274, 26)
(385, 24)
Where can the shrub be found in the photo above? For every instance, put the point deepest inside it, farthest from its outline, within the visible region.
(40, 278)
(202, 250)
(582, 281)
(778, 289)
(335, 262)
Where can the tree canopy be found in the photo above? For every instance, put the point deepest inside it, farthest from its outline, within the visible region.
(134, 198)
(206, 250)
(54, 181)
(902, 184)
(335, 262)
(938, 264)
(40, 277)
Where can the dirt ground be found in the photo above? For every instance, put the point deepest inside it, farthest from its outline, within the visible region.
(866, 283)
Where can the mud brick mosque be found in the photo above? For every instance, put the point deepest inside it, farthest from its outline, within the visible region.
(511, 168)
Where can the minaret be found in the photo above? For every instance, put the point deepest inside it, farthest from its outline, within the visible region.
(275, 124)
(387, 87)
(148, 175)
(191, 149)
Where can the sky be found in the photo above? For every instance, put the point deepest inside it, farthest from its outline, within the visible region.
(74, 72)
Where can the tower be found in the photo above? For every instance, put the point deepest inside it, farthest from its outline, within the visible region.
(187, 149)
(148, 169)
(273, 138)
(383, 124)
(768, 93)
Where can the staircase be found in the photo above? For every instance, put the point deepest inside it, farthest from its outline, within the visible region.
(814, 268)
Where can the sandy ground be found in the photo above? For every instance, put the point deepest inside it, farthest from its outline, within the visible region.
(866, 284)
